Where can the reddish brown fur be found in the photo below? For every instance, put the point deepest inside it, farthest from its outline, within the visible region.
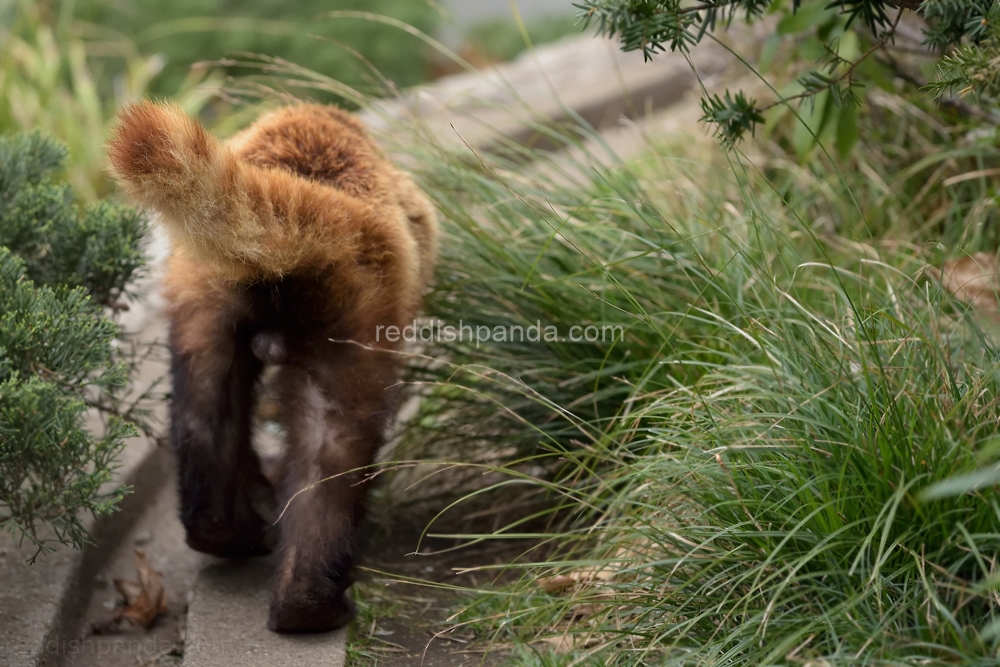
(288, 240)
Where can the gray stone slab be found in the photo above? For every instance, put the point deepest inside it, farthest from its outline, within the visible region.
(39, 602)
(161, 536)
(227, 617)
(30, 599)
(577, 79)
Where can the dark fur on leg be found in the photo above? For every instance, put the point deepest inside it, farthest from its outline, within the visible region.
(339, 402)
(223, 492)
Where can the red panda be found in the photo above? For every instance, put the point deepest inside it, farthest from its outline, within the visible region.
(292, 244)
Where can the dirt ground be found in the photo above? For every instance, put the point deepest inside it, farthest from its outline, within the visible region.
(408, 597)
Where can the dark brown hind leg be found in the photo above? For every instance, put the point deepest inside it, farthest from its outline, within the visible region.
(338, 404)
(223, 493)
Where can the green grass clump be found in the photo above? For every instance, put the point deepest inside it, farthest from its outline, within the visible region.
(741, 477)
(312, 34)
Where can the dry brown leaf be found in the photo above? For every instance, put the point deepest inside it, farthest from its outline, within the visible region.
(129, 590)
(558, 583)
(561, 643)
(567, 642)
(974, 279)
(146, 599)
(583, 610)
(584, 576)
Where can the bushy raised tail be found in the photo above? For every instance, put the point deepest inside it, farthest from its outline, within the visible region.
(249, 221)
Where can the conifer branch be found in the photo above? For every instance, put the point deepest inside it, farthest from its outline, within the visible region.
(970, 28)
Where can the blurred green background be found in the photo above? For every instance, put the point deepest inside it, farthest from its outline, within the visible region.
(66, 66)
(186, 32)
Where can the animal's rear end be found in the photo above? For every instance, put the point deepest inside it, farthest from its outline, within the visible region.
(292, 246)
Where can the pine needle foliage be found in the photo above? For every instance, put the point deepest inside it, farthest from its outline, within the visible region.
(655, 26)
(59, 264)
(971, 71)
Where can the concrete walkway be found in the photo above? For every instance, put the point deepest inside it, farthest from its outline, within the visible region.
(226, 624)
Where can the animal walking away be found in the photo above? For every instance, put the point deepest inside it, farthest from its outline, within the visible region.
(292, 243)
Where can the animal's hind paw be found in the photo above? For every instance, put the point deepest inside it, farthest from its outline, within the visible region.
(232, 542)
(310, 615)
(237, 530)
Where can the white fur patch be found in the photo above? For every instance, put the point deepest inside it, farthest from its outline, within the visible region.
(319, 435)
